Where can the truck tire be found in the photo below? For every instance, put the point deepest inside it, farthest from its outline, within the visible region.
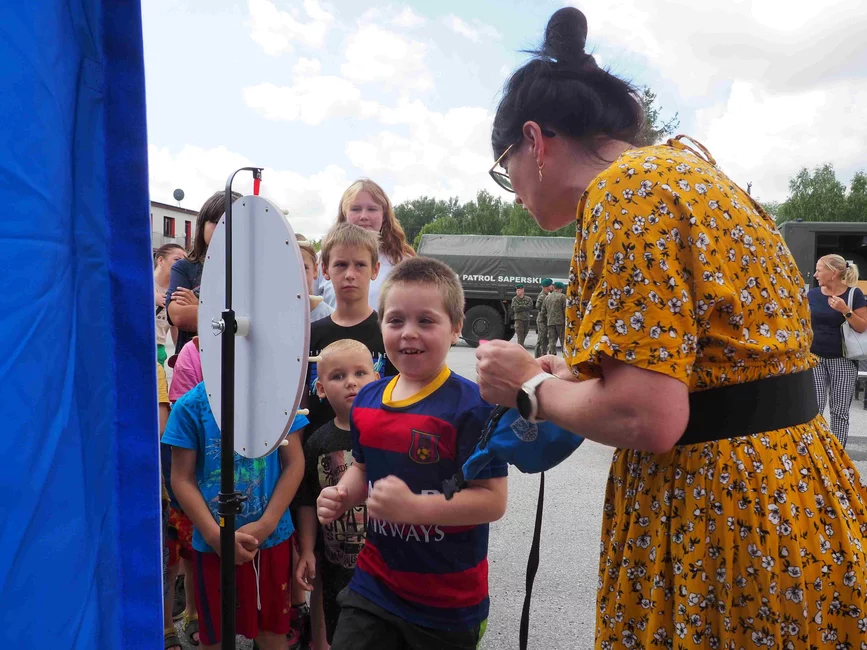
(482, 323)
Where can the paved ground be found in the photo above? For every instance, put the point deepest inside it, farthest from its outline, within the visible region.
(564, 597)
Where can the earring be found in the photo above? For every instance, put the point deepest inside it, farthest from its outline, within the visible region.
(540, 171)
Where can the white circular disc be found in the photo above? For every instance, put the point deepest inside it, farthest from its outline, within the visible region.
(269, 288)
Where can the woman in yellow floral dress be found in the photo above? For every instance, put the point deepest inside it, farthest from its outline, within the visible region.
(732, 518)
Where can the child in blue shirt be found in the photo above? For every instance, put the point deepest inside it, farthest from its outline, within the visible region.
(263, 529)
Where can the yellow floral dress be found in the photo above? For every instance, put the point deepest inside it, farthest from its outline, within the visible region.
(750, 542)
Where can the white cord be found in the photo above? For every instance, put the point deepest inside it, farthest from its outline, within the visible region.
(256, 564)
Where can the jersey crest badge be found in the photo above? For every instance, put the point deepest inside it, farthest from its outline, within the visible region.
(424, 447)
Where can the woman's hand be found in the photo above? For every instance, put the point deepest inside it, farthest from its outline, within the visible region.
(185, 297)
(838, 304)
(502, 369)
(160, 299)
(556, 366)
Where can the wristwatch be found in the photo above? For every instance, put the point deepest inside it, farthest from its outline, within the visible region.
(528, 405)
(848, 314)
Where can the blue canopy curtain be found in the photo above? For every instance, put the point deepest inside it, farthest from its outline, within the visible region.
(80, 563)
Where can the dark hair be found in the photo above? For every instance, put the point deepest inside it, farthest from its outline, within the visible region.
(163, 252)
(210, 212)
(561, 88)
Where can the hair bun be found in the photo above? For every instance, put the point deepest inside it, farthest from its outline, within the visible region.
(566, 37)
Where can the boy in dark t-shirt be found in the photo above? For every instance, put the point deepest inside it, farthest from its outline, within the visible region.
(350, 259)
(345, 367)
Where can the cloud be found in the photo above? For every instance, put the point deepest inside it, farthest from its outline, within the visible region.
(377, 55)
(782, 45)
(775, 84)
(763, 136)
(276, 30)
(428, 152)
(408, 19)
(393, 16)
(311, 100)
(306, 67)
(311, 200)
(478, 32)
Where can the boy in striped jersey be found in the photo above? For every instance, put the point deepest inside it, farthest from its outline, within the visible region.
(421, 580)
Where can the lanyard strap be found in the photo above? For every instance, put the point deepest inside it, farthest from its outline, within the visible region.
(532, 567)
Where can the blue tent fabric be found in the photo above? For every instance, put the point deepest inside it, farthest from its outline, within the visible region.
(80, 563)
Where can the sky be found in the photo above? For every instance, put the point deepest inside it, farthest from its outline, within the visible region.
(321, 92)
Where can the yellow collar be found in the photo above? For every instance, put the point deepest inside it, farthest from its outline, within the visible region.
(435, 383)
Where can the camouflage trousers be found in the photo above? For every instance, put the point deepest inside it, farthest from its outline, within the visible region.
(555, 332)
(521, 327)
(542, 339)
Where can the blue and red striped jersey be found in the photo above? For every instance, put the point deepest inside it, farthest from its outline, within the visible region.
(434, 576)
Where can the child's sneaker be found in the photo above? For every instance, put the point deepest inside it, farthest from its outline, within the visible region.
(299, 634)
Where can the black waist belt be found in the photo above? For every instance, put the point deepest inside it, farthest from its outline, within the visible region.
(752, 407)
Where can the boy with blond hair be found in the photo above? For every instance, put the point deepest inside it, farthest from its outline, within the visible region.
(350, 260)
(345, 368)
(421, 580)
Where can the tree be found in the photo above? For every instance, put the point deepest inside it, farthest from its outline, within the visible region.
(417, 213)
(771, 207)
(446, 225)
(856, 202)
(816, 196)
(655, 129)
(484, 215)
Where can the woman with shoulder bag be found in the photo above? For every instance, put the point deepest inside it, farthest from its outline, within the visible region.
(834, 302)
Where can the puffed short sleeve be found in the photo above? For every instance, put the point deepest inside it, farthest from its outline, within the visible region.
(630, 291)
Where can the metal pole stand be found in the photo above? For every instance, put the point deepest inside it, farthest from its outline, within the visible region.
(229, 500)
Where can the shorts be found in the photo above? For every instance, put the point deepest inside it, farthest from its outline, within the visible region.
(270, 588)
(180, 537)
(365, 625)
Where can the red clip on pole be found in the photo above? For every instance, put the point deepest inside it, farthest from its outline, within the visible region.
(256, 183)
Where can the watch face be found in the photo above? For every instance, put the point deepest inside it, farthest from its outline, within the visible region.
(524, 405)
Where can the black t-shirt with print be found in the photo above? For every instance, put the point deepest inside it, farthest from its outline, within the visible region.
(327, 455)
(325, 332)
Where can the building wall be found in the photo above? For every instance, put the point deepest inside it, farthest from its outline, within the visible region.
(172, 225)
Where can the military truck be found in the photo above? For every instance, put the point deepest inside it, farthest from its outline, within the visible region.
(810, 240)
(490, 266)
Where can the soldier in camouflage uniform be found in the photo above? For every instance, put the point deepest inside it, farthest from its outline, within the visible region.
(541, 323)
(555, 311)
(521, 306)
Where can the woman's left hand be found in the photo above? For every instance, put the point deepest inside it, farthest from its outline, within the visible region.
(838, 304)
(502, 369)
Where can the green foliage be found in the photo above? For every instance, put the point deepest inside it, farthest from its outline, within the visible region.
(819, 196)
(417, 213)
(856, 202)
(487, 215)
(655, 129)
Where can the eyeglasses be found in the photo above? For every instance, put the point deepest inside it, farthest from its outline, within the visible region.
(501, 178)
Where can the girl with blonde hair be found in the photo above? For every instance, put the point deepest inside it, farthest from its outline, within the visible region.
(365, 204)
(830, 303)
